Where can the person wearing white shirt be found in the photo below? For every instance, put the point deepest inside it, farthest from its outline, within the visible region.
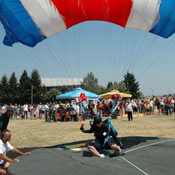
(172, 104)
(5, 146)
(129, 110)
(77, 109)
(26, 111)
(151, 106)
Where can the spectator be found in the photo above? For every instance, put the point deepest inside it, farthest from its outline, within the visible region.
(25, 111)
(129, 110)
(122, 109)
(22, 112)
(15, 111)
(77, 109)
(31, 111)
(4, 119)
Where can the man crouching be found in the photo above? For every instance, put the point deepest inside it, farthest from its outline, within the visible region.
(4, 148)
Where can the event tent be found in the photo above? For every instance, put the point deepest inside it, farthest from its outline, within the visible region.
(109, 95)
(76, 94)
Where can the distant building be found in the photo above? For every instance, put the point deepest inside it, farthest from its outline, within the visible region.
(58, 83)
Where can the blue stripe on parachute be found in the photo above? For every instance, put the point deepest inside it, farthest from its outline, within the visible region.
(18, 24)
(166, 25)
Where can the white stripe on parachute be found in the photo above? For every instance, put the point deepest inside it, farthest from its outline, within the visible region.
(45, 16)
(144, 14)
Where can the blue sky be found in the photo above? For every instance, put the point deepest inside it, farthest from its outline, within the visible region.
(105, 49)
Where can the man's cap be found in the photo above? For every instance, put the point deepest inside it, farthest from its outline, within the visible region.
(9, 109)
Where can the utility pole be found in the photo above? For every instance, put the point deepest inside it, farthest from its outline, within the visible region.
(32, 96)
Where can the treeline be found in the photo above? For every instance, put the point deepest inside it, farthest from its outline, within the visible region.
(28, 89)
(127, 85)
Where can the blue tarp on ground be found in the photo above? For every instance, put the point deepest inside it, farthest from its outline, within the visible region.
(76, 94)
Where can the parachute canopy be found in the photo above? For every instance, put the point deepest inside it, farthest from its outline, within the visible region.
(31, 21)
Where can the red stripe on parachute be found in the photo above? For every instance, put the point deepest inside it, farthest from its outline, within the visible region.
(77, 11)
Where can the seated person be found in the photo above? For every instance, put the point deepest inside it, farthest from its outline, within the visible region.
(4, 119)
(4, 148)
(102, 132)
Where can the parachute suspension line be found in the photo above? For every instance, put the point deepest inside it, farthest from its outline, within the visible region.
(38, 61)
(155, 59)
(110, 41)
(138, 53)
(55, 59)
(125, 50)
(121, 65)
(76, 67)
(79, 51)
(113, 54)
(79, 59)
(63, 48)
(77, 55)
(29, 61)
(109, 50)
(76, 39)
(132, 51)
(149, 50)
(110, 60)
(137, 60)
(126, 33)
(120, 57)
(61, 58)
(156, 38)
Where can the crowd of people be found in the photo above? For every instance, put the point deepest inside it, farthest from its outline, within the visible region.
(74, 112)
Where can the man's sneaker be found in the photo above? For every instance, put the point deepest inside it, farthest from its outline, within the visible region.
(102, 156)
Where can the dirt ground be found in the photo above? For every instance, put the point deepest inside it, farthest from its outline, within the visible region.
(38, 133)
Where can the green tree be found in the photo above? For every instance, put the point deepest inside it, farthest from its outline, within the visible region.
(44, 95)
(100, 90)
(25, 88)
(4, 90)
(51, 94)
(132, 85)
(36, 86)
(90, 83)
(121, 87)
(109, 86)
(65, 89)
(14, 89)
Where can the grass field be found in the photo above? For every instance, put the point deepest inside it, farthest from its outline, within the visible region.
(38, 133)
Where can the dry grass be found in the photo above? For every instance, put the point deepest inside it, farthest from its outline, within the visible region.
(38, 133)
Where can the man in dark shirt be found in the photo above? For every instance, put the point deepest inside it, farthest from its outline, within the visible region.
(102, 132)
(4, 118)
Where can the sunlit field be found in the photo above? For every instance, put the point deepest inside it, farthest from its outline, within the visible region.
(38, 133)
